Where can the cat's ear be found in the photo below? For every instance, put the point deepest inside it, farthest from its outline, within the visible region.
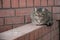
(35, 9)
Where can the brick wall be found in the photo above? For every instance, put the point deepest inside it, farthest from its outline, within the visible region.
(14, 13)
(43, 33)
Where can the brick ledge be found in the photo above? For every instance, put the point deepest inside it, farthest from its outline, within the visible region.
(17, 32)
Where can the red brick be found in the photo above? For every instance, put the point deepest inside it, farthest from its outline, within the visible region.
(40, 39)
(53, 33)
(46, 37)
(20, 38)
(14, 3)
(56, 37)
(28, 19)
(14, 20)
(55, 25)
(0, 3)
(4, 13)
(43, 2)
(27, 37)
(1, 21)
(45, 30)
(56, 32)
(56, 16)
(36, 2)
(26, 11)
(50, 2)
(29, 3)
(36, 34)
(32, 36)
(5, 28)
(56, 9)
(6, 3)
(22, 3)
(57, 2)
(40, 32)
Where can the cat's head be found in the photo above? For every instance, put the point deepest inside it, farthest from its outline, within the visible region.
(40, 11)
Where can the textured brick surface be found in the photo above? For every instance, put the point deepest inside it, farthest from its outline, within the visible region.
(46, 37)
(14, 20)
(36, 2)
(1, 21)
(40, 32)
(36, 34)
(57, 2)
(32, 37)
(54, 26)
(56, 9)
(12, 15)
(0, 3)
(5, 28)
(14, 3)
(29, 3)
(56, 37)
(6, 3)
(27, 37)
(26, 11)
(50, 2)
(4, 13)
(20, 38)
(43, 2)
(27, 19)
(56, 16)
(22, 3)
(45, 30)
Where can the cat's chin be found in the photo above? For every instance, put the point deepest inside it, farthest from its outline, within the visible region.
(38, 24)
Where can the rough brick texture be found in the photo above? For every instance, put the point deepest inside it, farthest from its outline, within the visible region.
(6, 3)
(1, 21)
(50, 2)
(56, 9)
(27, 37)
(5, 28)
(26, 11)
(5, 13)
(0, 3)
(14, 3)
(57, 2)
(27, 19)
(21, 38)
(22, 3)
(56, 16)
(14, 20)
(16, 13)
(32, 36)
(46, 37)
(29, 3)
(37, 2)
(43, 2)
(35, 34)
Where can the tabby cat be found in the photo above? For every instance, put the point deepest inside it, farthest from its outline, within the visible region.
(41, 16)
